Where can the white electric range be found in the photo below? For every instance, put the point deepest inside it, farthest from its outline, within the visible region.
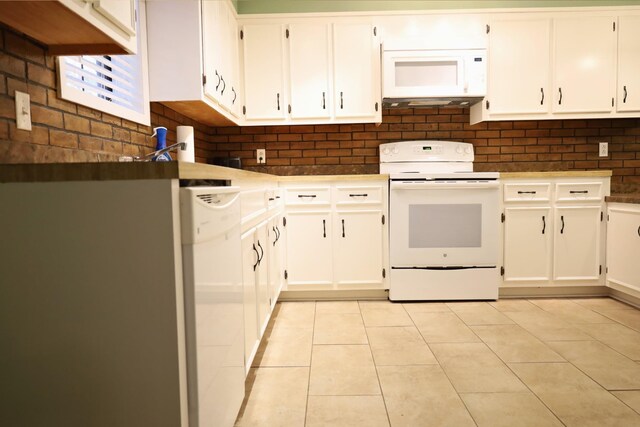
(443, 222)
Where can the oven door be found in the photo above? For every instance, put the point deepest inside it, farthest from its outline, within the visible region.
(435, 224)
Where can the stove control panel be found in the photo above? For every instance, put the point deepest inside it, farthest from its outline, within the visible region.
(426, 151)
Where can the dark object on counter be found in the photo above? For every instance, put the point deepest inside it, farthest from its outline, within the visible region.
(229, 162)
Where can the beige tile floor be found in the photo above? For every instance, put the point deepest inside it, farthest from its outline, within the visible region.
(537, 362)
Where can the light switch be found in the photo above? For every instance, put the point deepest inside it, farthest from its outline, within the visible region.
(23, 111)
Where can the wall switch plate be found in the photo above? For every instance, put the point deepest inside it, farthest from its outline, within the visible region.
(604, 149)
(261, 156)
(23, 111)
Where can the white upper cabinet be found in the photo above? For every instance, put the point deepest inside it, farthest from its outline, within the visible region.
(263, 72)
(193, 59)
(309, 70)
(220, 54)
(584, 58)
(356, 56)
(628, 94)
(120, 12)
(519, 54)
(76, 27)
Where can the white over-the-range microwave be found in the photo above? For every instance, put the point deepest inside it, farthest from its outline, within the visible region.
(432, 77)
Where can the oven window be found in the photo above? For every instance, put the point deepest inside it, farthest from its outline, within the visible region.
(445, 226)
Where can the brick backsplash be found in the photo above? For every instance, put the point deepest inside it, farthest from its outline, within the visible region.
(67, 132)
(543, 145)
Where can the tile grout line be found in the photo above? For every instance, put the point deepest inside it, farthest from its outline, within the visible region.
(313, 332)
(375, 366)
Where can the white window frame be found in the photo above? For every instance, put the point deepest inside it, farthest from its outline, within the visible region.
(140, 113)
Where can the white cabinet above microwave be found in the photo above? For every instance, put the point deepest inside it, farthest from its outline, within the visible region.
(434, 74)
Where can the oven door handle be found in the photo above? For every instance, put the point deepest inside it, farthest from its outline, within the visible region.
(441, 185)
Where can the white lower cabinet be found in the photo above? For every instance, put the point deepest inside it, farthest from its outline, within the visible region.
(337, 236)
(309, 248)
(358, 248)
(577, 243)
(553, 233)
(261, 260)
(623, 246)
(530, 260)
(250, 256)
(274, 257)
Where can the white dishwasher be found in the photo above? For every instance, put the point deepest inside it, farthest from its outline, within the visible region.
(214, 317)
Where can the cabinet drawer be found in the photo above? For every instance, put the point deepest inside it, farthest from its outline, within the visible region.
(308, 196)
(527, 192)
(587, 191)
(358, 195)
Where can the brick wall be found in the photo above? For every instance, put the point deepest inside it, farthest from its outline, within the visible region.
(63, 131)
(499, 146)
(67, 132)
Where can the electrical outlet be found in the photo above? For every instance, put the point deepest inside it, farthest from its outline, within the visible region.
(604, 149)
(261, 156)
(23, 111)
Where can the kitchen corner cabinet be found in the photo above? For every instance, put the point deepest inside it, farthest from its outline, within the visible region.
(623, 246)
(220, 55)
(336, 235)
(311, 71)
(76, 27)
(193, 59)
(628, 92)
(584, 57)
(553, 231)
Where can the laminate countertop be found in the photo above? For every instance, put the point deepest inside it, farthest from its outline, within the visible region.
(52, 172)
(557, 174)
(633, 198)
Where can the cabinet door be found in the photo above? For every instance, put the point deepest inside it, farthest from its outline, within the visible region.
(263, 72)
(119, 12)
(356, 56)
(250, 257)
(577, 243)
(232, 59)
(309, 70)
(262, 278)
(309, 258)
(212, 46)
(275, 258)
(584, 64)
(519, 48)
(623, 247)
(527, 243)
(358, 247)
(629, 64)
